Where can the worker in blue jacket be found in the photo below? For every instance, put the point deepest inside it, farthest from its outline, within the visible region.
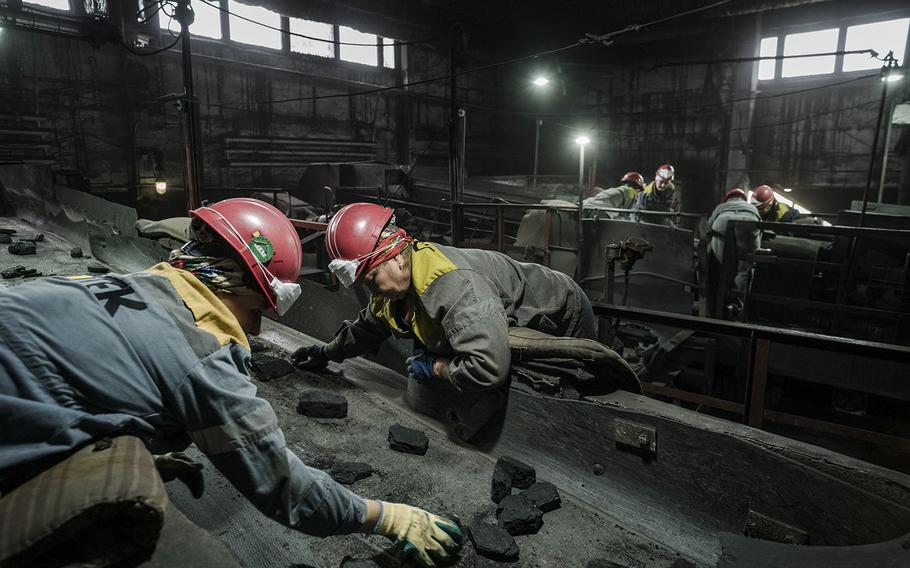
(162, 355)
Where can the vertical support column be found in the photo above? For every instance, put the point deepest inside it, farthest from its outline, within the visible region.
(190, 109)
(756, 382)
(745, 82)
(454, 190)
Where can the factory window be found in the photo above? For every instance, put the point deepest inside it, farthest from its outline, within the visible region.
(55, 4)
(254, 34)
(206, 24)
(388, 53)
(367, 54)
(883, 37)
(766, 66)
(312, 29)
(821, 41)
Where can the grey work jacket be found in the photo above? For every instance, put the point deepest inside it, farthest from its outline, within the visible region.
(466, 299)
(747, 238)
(156, 355)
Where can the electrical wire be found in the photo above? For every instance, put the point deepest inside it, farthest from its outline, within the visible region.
(158, 6)
(608, 37)
(410, 83)
(218, 6)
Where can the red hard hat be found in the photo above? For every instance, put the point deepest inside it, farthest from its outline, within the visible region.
(261, 235)
(354, 230)
(666, 172)
(634, 178)
(763, 196)
(735, 192)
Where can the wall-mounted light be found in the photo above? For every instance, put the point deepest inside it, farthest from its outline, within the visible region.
(540, 81)
(160, 186)
(788, 189)
(96, 9)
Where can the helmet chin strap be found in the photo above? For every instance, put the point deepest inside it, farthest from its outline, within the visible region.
(286, 293)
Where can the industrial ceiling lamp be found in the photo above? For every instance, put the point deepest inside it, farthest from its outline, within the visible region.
(97, 26)
(891, 72)
(97, 9)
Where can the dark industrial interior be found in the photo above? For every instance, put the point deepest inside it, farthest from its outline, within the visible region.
(633, 283)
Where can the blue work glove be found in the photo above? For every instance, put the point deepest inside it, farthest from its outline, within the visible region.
(312, 358)
(420, 366)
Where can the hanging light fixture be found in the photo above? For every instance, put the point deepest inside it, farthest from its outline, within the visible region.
(97, 9)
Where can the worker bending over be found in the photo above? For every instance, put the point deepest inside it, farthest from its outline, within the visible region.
(770, 209)
(457, 304)
(734, 207)
(162, 355)
(622, 196)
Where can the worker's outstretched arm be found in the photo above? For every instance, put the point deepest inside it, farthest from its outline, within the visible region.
(353, 338)
(475, 323)
(239, 433)
(218, 406)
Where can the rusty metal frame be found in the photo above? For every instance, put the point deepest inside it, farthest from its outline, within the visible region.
(760, 338)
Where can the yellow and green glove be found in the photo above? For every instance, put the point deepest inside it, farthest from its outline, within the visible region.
(428, 540)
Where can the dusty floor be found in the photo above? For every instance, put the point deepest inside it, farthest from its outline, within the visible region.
(449, 479)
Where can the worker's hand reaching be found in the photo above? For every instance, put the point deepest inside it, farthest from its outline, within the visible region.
(312, 358)
(427, 540)
(420, 366)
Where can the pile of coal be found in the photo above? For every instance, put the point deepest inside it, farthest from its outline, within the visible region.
(19, 272)
(350, 472)
(408, 440)
(522, 513)
(22, 248)
(544, 496)
(518, 516)
(266, 367)
(319, 403)
(98, 269)
(508, 473)
(494, 543)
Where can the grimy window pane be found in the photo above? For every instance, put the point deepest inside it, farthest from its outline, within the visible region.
(388, 53)
(310, 28)
(880, 36)
(366, 54)
(822, 41)
(206, 24)
(766, 67)
(55, 4)
(254, 34)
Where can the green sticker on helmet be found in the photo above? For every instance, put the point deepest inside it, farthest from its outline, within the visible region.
(262, 248)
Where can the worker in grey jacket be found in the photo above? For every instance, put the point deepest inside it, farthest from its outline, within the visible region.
(458, 304)
(622, 196)
(163, 355)
(735, 207)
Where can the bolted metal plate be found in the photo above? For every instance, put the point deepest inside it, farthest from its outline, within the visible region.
(641, 437)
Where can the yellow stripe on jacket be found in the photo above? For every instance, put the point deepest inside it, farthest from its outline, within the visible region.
(210, 313)
(427, 264)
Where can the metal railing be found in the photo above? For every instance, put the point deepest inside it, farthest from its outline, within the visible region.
(760, 338)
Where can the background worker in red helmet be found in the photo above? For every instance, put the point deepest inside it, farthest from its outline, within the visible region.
(622, 196)
(162, 356)
(734, 207)
(458, 304)
(661, 194)
(770, 209)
